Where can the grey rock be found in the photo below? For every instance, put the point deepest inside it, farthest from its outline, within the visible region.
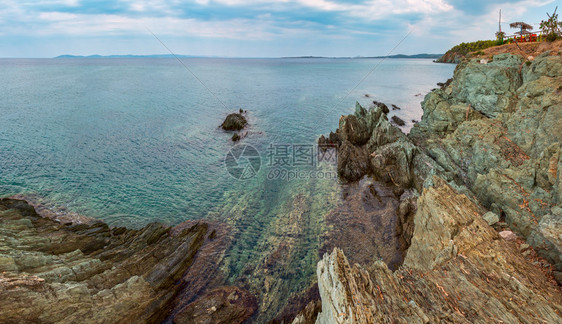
(489, 88)
(491, 218)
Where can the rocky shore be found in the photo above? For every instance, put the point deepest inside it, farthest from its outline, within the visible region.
(482, 235)
(52, 272)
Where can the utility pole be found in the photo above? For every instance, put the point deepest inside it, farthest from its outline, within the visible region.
(500, 22)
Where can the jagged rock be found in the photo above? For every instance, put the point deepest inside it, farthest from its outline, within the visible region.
(234, 122)
(354, 130)
(457, 270)
(488, 140)
(353, 161)
(392, 163)
(489, 88)
(381, 106)
(57, 273)
(511, 162)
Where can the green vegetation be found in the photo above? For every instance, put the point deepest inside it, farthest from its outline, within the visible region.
(551, 27)
(465, 48)
(500, 37)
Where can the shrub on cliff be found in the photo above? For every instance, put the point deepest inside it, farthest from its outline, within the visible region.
(463, 49)
(551, 27)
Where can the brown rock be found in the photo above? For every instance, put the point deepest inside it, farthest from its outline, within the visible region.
(228, 305)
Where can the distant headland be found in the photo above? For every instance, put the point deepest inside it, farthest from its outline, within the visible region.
(416, 56)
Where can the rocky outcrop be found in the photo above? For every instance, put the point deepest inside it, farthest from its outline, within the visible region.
(457, 269)
(52, 272)
(505, 151)
(234, 122)
(486, 153)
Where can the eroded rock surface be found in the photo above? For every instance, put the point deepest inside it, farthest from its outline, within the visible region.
(486, 153)
(457, 269)
(91, 273)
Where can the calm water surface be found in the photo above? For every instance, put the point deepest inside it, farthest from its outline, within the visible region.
(133, 141)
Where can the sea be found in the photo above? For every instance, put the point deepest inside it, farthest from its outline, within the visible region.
(132, 141)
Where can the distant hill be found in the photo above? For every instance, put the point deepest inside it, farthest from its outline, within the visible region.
(127, 56)
(420, 56)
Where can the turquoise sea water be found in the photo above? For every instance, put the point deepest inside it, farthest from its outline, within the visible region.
(132, 141)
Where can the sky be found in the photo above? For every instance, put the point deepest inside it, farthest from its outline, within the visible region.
(256, 28)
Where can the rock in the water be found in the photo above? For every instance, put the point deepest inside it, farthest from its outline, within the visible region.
(395, 107)
(381, 106)
(235, 137)
(235, 122)
(398, 121)
(491, 218)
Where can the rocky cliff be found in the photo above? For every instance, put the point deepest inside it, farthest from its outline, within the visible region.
(483, 243)
(52, 272)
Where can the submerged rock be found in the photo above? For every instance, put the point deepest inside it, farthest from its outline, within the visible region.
(234, 122)
(398, 121)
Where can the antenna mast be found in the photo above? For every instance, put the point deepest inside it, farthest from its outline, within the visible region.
(500, 21)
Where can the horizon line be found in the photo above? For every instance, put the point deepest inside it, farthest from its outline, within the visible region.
(93, 56)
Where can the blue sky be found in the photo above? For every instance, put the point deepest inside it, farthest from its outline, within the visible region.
(257, 28)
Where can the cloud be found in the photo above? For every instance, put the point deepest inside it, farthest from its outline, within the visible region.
(348, 24)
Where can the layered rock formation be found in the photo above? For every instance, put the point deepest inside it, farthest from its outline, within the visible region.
(89, 273)
(457, 270)
(499, 134)
(488, 144)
